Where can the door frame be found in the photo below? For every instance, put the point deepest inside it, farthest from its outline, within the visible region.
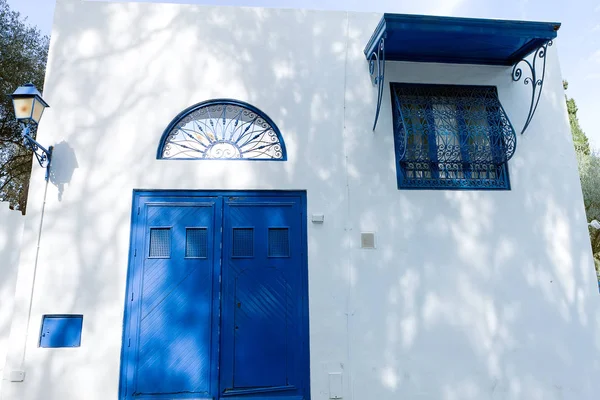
(137, 228)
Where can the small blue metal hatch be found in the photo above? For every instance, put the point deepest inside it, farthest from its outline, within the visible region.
(61, 331)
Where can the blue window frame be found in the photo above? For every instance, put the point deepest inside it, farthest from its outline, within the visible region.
(451, 137)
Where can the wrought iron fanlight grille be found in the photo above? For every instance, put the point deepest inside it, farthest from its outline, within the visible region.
(451, 137)
(222, 129)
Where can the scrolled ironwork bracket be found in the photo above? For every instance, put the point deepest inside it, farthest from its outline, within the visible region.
(43, 155)
(535, 79)
(377, 72)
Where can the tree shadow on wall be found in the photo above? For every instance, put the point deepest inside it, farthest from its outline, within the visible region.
(452, 304)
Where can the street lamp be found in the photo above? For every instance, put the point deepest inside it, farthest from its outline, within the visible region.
(29, 107)
(594, 224)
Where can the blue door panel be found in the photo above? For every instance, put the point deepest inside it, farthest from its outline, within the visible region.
(174, 346)
(263, 315)
(216, 303)
(260, 332)
(172, 333)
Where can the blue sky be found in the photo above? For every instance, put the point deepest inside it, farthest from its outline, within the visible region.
(578, 44)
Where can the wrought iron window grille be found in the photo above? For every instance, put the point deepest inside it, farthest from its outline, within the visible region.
(222, 129)
(451, 137)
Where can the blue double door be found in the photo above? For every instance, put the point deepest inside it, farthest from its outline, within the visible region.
(217, 303)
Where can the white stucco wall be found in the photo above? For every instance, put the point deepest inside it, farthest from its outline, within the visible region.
(11, 234)
(469, 295)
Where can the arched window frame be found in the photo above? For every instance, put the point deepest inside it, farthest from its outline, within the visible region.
(220, 102)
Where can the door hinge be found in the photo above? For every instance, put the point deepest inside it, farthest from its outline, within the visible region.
(135, 252)
(138, 211)
(129, 343)
(131, 296)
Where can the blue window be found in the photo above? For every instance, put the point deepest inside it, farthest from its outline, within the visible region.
(451, 137)
(222, 129)
(243, 242)
(279, 242)
(160, 243)
(196, 243)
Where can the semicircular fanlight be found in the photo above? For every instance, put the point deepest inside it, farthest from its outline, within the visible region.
(222, 129)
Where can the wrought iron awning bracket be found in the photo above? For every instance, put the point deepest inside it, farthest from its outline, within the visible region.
(535, 79)
(43, 155)
(377, 72)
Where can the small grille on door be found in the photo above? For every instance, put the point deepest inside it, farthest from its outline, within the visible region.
(279, 243)
(243, 242)
(196, 243)
(367, 240)
(160, 243)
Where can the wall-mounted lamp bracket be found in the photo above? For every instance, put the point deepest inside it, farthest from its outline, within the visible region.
(43, 155)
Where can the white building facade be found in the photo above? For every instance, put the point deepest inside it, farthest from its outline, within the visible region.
(339, 261)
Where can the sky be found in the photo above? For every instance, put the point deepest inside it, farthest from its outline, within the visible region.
(578, 41)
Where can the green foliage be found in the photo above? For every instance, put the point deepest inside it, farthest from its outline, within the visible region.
(589, 173)
(23, 54)
(580, 140)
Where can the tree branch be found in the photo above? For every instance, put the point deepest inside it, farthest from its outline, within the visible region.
(10, 178)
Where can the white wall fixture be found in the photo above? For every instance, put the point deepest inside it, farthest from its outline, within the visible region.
(335, 385)
(318, 218)
(17, 376)
(367, 240)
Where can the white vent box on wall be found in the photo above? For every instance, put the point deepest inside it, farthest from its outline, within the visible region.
(367, 240)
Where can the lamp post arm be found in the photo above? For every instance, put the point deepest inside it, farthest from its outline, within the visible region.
(43, 155)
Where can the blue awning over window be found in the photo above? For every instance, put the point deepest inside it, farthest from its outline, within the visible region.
(419, 38)
(458, 40)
